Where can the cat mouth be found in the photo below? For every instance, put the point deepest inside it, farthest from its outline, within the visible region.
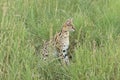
(73, 28)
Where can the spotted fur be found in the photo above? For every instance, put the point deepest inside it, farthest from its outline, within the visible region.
(60, 43)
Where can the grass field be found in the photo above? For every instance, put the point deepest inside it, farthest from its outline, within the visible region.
(95, 45)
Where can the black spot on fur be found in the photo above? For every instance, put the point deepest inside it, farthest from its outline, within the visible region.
(63, 50)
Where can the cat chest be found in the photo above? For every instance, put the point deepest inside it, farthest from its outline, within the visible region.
(65, 43)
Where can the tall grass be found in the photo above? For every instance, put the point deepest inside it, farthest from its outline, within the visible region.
(94, 45)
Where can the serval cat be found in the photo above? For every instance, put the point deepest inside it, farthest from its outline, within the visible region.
(60, 43)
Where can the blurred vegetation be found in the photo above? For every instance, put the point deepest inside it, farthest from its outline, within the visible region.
(94, 45)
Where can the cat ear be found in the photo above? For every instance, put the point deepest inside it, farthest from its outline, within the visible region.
(71, 19)
(68, 21)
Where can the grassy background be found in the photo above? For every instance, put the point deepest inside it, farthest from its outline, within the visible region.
(95, 45)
